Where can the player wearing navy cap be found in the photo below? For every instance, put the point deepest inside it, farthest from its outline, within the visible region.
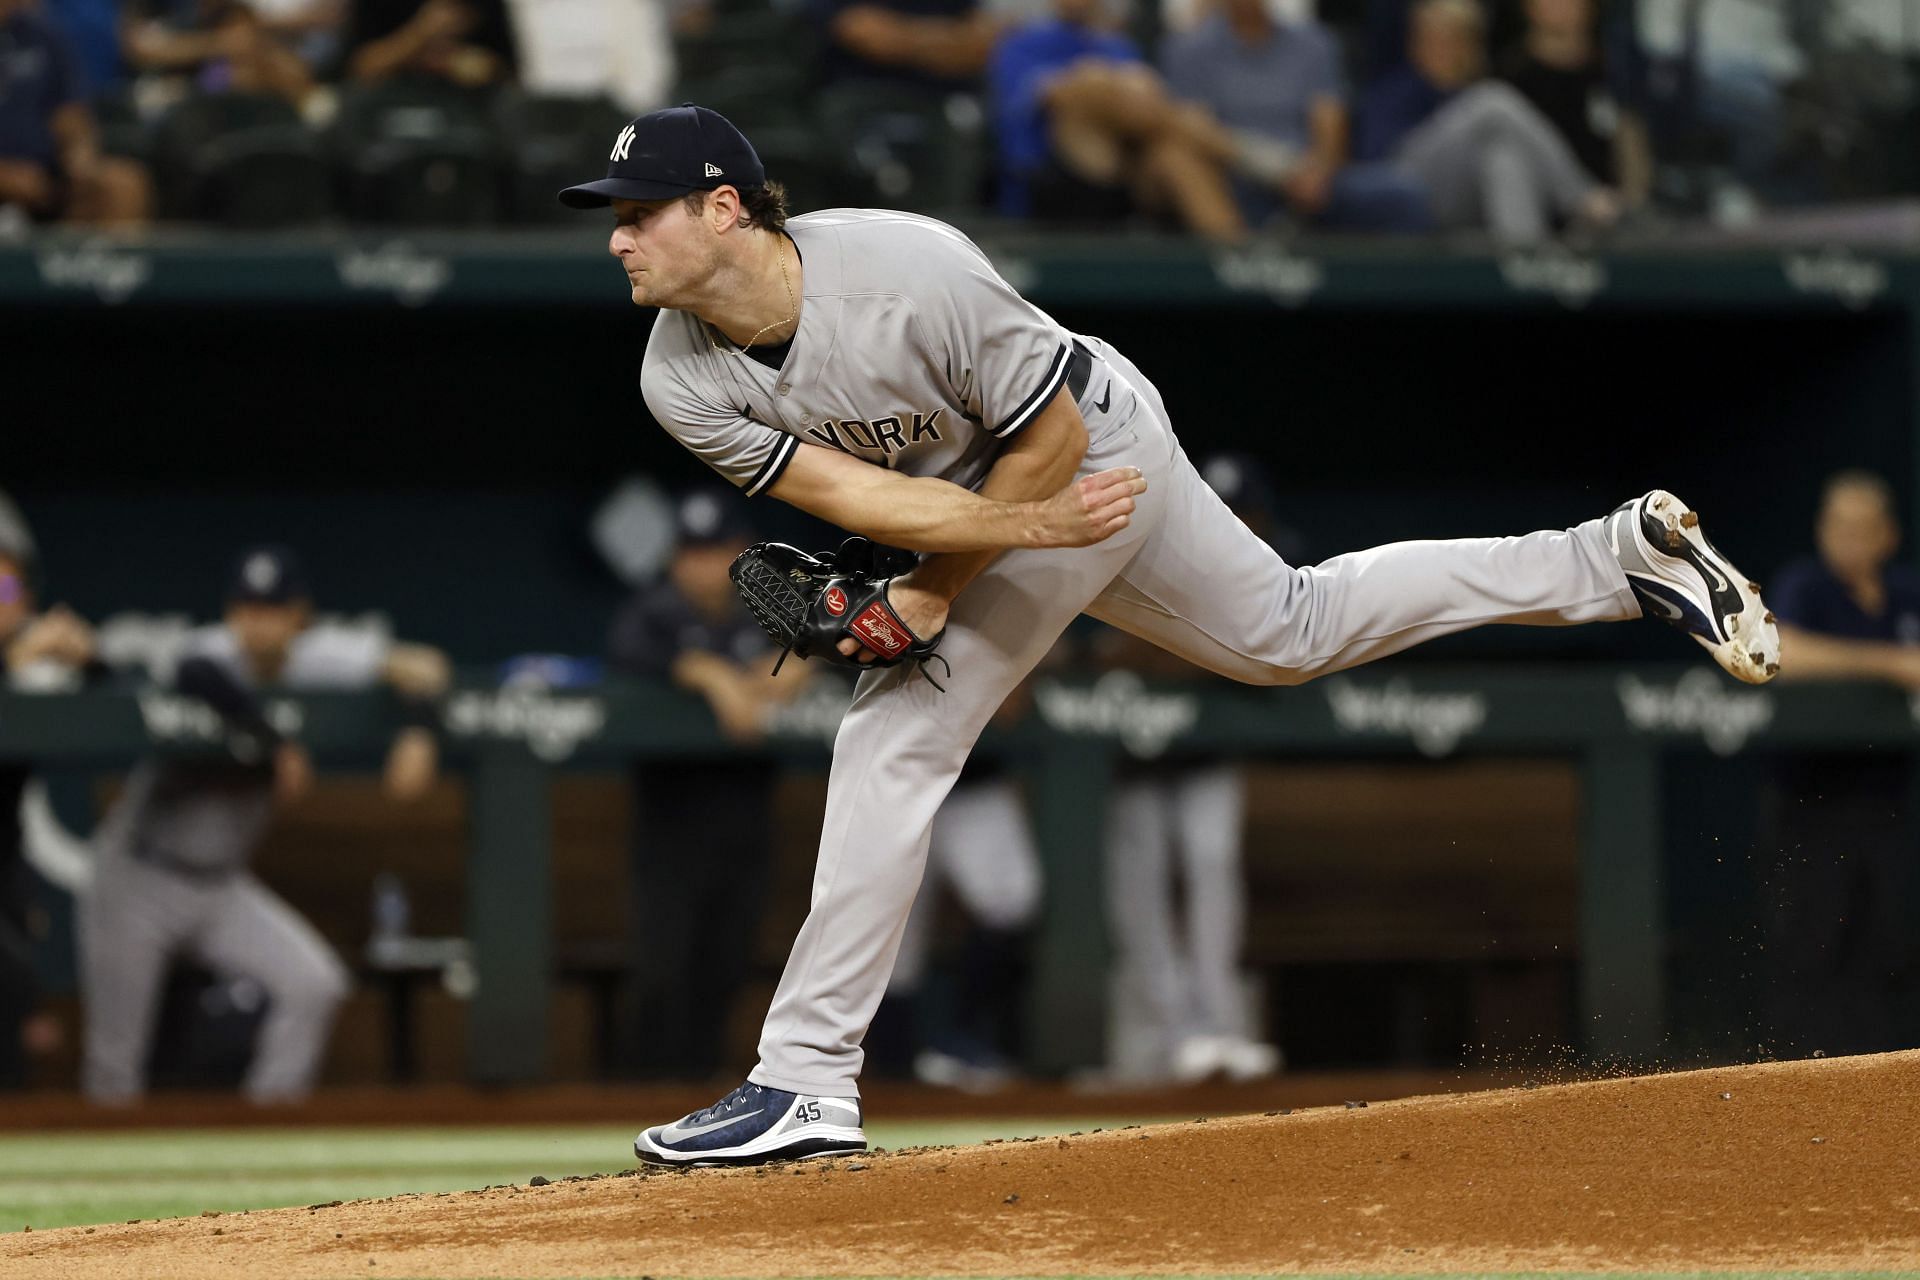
(873, 369)
(171, 856)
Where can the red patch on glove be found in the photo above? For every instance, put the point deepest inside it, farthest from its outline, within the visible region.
(881, 630)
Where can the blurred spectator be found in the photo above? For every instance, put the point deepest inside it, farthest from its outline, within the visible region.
(1282, 83)
(1178, 995)
(172, 879)
(50, 161)
(1562, 67)
(92, 27)
(1843, 874)
(983, 849)
(1731, 63)
(620, 49)
(462, 42)
(40, 650)
(215, 45)
(1087, 132)
(1184, 15)
(313, 29)
(1485, 155)
(929, 44)
(697, 904)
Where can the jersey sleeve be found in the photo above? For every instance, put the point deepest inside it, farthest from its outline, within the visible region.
(1006, 358)
(332, 656)
(751, 454)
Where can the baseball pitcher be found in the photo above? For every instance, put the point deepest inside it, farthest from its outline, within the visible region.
(872, 368)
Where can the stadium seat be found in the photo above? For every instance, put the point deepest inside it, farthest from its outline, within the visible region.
(550, 142)
(911, 150)
(753, 97)
(122, 131)
(416, 153)
(758, 40)
(795, 158)
(239, 160)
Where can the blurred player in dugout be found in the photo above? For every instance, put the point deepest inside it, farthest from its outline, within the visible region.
(1839, 828)
(38, 650)
(1176, 893)
(172, 878)
(703, 899)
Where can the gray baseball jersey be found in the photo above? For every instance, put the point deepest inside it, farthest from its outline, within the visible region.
(906, 330)
(207, 816)
(912, 353)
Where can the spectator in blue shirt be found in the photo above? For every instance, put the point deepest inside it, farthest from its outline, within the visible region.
(1282, 82)
(92, 27)
(50, 161)
(1486, 157)
(1840, 827)
(1088, 131)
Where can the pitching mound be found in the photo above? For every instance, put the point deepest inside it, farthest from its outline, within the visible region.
(1802, 1165)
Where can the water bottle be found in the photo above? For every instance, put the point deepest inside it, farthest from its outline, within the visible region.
(391, 915)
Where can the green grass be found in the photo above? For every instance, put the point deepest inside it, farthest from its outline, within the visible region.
(70, 1179)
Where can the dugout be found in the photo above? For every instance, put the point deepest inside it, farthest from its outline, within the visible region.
(433, 421)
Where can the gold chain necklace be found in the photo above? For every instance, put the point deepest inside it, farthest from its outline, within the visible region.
(793, 308)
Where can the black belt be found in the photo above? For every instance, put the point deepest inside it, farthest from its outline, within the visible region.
(1079, 370)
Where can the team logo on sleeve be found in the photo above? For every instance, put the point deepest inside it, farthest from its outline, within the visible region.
(885, 436)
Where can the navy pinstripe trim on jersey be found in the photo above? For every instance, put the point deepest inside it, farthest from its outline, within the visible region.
(1040, 399)
(775, 466)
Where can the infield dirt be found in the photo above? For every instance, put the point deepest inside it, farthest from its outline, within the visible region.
(1802, 1165)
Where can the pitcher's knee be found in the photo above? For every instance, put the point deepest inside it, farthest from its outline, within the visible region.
(1492, 107)
(1279, 675)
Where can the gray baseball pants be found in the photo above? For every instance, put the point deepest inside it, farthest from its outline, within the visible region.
(1489, 159)
(138, 917)
(1185, 574)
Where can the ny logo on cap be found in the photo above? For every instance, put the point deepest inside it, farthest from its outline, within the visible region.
(713, 170)
(262, 573)
(622, 144)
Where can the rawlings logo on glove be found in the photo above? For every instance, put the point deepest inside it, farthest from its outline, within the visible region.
(810, 603)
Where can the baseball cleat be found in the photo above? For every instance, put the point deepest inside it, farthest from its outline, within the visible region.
(755, 1125)
(1681, 579)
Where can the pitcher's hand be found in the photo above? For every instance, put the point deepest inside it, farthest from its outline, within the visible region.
(1089, 510)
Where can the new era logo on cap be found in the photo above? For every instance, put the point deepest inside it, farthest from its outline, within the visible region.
(713, 170)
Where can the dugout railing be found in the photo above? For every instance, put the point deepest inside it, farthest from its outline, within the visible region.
(1617, 725)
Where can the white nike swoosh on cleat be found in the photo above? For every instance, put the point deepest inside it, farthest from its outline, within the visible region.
(676, 1133)
(1706, 562)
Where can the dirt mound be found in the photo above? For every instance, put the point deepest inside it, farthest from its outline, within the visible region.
(1803, 1165)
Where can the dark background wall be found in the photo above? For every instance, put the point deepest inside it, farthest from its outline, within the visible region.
(441, 464)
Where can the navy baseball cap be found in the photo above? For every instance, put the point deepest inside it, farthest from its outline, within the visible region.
(668, 153)
(267, 575)
(711, 517)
